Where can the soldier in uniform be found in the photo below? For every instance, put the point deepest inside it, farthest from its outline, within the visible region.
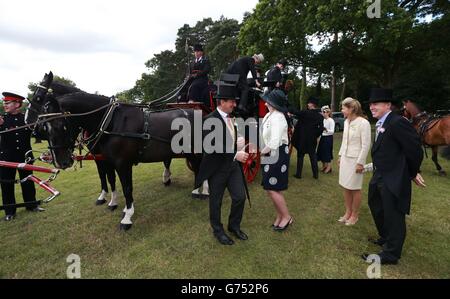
(13, 147)
(275, 76)
(199, 69)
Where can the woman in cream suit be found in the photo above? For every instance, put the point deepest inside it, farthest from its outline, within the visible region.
(352, 158)
(275, 167)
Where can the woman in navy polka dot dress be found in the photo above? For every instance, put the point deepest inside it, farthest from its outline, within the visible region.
(275, 156)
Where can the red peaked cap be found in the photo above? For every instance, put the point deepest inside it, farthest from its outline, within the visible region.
(9, 96)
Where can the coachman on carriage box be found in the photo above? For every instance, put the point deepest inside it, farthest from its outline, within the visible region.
(13, 147)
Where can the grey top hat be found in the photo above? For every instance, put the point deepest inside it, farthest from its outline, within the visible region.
(277, 99)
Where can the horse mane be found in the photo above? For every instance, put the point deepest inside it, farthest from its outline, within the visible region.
(92, 101)
(60, 88)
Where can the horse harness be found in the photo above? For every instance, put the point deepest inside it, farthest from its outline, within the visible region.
(425, 123)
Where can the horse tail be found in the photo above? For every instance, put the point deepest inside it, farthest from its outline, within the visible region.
(446, 152)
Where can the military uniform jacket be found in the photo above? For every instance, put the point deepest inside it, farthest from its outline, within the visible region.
(14, 145)
(275, 76)
(201, 68)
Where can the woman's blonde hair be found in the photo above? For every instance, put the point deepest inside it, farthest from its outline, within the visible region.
(354, 105)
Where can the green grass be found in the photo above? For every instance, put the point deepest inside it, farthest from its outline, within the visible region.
(171, 236)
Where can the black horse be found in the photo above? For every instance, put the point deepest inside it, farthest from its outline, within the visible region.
(131, 136)
(104, 168)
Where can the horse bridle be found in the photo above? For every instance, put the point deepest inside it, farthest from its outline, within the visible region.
(67, 128)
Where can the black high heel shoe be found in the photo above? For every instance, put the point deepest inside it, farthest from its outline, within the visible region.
(283, 228)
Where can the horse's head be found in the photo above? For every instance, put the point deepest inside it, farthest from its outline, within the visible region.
(36, 104)
(61, 135)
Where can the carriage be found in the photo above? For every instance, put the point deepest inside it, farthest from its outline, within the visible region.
(256, 108)
(128, 134)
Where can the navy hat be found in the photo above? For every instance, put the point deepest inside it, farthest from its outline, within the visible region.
(9, 96)
(226, 91)
(277, 99)
(381, 95)
(313, 100)
(198, 47)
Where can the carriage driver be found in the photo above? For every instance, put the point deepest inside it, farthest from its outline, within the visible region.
(13, 147)
(199, 70)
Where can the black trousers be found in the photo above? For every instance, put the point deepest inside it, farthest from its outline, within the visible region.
(390, 222)
(197, 89)
(312, 158)
(28, 189)
(226, 178)
(244, 88)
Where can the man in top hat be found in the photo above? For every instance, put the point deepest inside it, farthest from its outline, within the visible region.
(242, 67)
(275, 75)
(221, 166)
(199, 69)
(397, 156)
(308, 129)
(13, 147)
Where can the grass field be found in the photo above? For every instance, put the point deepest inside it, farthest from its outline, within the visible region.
(171, 236)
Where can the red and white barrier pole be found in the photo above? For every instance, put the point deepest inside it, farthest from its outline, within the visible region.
(28, 167)
(44, 185)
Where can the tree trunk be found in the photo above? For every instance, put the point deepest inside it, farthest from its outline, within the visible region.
(303, 89)
(333, 78)
(344, 86)
(333, 88)
(319, 86)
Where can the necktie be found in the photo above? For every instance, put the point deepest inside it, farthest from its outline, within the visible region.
(230, 126)
(377, 132)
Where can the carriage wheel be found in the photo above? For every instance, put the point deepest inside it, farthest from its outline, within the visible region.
(251, 167)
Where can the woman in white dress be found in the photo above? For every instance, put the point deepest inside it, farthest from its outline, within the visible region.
(355, 147)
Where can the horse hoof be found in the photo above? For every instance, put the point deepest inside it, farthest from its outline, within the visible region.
(167, 184)
(125, 227)
(195, 196)
(100, 202)
(112, 208)
(442, 173)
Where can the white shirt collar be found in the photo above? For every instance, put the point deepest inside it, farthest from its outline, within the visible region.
(223, 114)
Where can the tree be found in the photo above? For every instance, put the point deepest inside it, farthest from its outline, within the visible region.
(276, 29)
(167, 69)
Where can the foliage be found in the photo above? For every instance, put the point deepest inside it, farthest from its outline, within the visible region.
(404, 49)
(168, 68)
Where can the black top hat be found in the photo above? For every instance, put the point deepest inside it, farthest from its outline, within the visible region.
(226, 91)
(381, 95)
(313, 100)
(277, 99)
(9, 96)
(198, 47)
(283, 62)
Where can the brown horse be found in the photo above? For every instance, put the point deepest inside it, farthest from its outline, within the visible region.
(433, 130)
